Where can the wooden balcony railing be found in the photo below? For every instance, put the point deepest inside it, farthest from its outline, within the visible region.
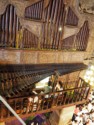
(30, 105)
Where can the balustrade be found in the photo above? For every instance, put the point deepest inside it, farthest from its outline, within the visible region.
(45, 102)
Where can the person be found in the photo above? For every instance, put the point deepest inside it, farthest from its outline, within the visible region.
(30, 103)
(85, 117)
(89, 106)
(59, 87)
(35, 103)
(47, 89)
(50, 82)
(79, 119)
(75, 122)
(80, 123)
(76, 111)
(55, 79)
(91, 96)
(75, 114)
(88, 122)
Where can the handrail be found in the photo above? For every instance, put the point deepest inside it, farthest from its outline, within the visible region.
(51, 93)
(26, 106)
(10, 109)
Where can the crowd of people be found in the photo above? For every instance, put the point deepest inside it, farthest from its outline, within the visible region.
(84, 114)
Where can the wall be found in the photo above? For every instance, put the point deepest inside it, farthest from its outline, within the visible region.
(85, 16)
(70, 77)
(62, 117)
(34, 57)
(66, 115)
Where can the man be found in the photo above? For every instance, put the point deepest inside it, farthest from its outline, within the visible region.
(47, 89)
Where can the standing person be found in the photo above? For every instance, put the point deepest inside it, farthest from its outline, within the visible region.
(47, 89)
(50, 84)
(55, 79)
(75, 114)
(59, 87)
(77, 110)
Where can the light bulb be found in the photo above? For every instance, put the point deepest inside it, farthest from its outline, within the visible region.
(60, 29)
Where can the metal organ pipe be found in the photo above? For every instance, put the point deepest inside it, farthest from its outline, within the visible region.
(9, 22)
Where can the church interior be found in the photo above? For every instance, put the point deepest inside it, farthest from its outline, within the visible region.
(46, 62)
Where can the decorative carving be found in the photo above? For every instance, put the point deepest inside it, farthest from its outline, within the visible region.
(72, 18)
(86, 6)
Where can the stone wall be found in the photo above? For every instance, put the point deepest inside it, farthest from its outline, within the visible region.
(54, 117)
(66, 115)
(62, 117)
(34, 57)
(70, 77)
(85, 16)
(86, 6)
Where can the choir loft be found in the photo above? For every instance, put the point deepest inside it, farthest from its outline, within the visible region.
(46, 60)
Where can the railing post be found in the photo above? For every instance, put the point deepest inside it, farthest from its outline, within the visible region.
(10, 109)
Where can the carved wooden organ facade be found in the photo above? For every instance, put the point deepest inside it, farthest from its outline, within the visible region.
(53, 18)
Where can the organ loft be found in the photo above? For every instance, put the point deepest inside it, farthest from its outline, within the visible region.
(46, 60)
